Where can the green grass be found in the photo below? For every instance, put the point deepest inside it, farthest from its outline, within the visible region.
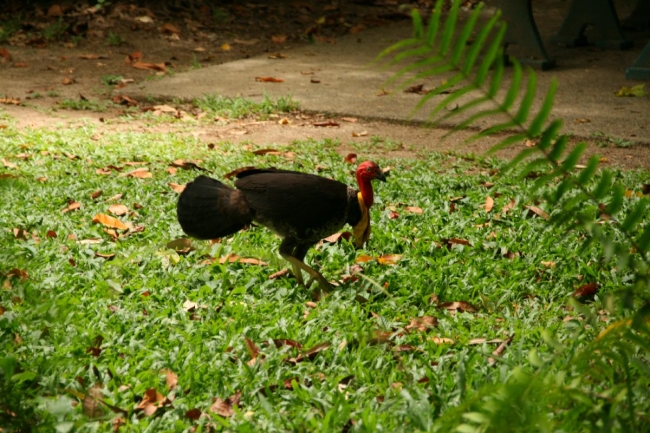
(224, 106)
(604, 140)
(55, 31)
(73, 302)
(8, 28)
(115, 40)
(84, 104)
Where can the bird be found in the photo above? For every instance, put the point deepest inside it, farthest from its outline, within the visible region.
(301, 208)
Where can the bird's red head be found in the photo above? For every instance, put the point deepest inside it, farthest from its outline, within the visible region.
(367, 171)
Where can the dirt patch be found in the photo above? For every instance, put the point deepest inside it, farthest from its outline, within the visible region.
(77, 54)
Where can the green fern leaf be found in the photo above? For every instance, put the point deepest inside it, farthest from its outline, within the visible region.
(448, 29)
(588, 172)
(492, 55)
(461, 42)
(643, 243)
(549, 134)
(535, 127)
(603, 186)
(572, 158)
(515, 83)
(558, 149)
(633, 217)
(527, 101)
(497, 78)
(478, 43)
(616, 202)
(434, 23)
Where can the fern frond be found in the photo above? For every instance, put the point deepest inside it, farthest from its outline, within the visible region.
(477, 78)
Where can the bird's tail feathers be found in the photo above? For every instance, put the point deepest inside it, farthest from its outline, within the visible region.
(209, 209)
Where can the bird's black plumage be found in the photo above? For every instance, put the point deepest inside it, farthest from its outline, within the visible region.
(302, 208)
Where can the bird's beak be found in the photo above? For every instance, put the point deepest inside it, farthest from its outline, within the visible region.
(380, 175)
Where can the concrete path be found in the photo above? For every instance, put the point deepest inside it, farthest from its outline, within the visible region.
(341, 79)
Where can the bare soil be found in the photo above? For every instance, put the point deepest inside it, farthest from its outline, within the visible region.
(78, 52)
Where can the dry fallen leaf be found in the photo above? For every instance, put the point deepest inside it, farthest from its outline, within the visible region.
(192, 414)
(414, 209)
(489, 203)
(15, 272)
(169, 28)
(309, 353)
(475, 341)
(499, 350)
(336, 237)
(508, 206)
(140, 173)
(351, 158)
(176, 187)
(279, 39)
(180, 245)
(458, 306)
(4, 54)
(109, 221)
(389, 259)
(171, 378)
(454, 241)
(187, 165)
(538, 211)
(9, 164)
(232, 258)
(118, 209)
(150, 402)
(160, 67)
(442, 340)
(363, 259)
(10, 101)
(74, 205)
(422, 324)
(225, 408)
(267, 152)
(92, 404)
(252, 349)
(269, 80)
(586, 292)
(326, 123)
(107, 256)
(359, 134)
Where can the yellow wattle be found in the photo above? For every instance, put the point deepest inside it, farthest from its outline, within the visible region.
(362, 230)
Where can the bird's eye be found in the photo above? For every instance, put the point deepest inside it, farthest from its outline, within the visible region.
(368, 169)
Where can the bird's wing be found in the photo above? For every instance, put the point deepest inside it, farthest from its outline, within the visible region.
(304, 204)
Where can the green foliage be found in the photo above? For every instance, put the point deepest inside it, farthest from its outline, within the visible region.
(604, 140)
(115, 40)
(225, 106)
(111, 79)
(84, 104)
(8, 28)
(582, 199)
(137, 299)
(55, 31)
(194, 63)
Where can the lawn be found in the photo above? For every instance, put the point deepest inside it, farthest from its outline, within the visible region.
(462, 298)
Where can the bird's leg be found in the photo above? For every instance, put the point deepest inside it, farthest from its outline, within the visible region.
(286, 249)
(299, 252)
(294, 254)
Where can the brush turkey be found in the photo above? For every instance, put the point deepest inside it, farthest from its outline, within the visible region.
(302, 208)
